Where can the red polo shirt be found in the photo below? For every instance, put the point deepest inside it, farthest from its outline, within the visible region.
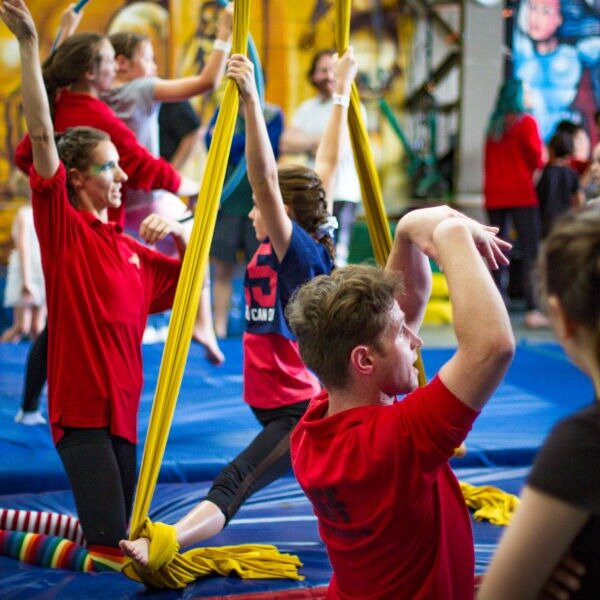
(390, 510)
(100, 287)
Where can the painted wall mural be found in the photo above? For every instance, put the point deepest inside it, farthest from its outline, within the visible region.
(556, 51)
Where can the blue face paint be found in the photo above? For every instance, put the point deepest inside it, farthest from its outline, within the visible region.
(109, 165)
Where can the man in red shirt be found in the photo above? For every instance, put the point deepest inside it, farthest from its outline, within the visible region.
(390, 509)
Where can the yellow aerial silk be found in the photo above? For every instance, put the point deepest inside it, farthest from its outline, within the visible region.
(247, 560)
(169, 569)
(187, 295)
(377, 222)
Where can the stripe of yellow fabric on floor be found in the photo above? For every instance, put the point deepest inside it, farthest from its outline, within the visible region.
(489, 503)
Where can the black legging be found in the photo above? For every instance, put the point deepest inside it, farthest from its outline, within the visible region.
(101, 468)
(526, 221)
(36, 372)
(266, 459)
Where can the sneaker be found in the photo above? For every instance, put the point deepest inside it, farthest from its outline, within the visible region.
(32, 417)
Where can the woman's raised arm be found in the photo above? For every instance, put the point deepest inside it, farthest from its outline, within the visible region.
(18, 19)
(208, 80)
(262, 166)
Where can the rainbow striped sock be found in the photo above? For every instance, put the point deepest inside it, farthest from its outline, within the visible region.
(45, 551)
(106, 558)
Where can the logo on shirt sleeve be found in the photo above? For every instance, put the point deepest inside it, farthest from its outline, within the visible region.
(134, 259)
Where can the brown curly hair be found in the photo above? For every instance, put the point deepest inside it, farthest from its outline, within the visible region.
(302, 190)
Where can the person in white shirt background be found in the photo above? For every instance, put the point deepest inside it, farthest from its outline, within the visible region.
(303, 137)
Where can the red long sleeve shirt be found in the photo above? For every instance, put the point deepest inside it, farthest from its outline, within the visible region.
(100, 287)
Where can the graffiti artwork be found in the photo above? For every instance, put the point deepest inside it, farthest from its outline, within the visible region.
(556, 52)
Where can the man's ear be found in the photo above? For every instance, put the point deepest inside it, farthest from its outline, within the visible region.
(564, 328)
(361, 360)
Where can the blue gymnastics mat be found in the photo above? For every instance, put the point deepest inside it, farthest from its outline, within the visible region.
(279, 514)
(212, 424)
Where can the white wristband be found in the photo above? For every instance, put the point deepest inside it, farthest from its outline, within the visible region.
(222, 45)
(341, 100)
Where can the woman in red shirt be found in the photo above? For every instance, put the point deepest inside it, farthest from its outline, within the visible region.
(100, 287)
(513, 153)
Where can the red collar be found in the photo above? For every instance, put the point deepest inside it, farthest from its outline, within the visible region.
(94, 221)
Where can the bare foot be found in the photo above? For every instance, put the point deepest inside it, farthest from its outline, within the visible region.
(12, 335)
(534, 319)
(211, 346)
(137, 550)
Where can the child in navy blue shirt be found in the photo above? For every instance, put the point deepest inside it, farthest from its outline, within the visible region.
(558, 188)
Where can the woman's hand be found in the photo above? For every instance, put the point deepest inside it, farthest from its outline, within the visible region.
(18, 19)
(155, 228)
(565, 579)
(345, 69)
(241, 70)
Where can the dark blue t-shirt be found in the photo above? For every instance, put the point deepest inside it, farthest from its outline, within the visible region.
(269, 284)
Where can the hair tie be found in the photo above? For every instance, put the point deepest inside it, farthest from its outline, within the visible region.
(327, 227)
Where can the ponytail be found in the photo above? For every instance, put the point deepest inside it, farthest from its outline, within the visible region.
(76, 56)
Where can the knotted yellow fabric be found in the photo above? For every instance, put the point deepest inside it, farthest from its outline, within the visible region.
(165, 545)
(490, 503)
(247, 560)
(168, 569)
